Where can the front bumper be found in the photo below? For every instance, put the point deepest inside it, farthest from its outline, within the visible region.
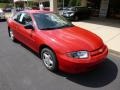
(69, 65)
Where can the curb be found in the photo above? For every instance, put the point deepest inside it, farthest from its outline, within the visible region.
(114, 52)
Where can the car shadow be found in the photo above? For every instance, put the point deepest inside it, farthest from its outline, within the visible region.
(104, 74)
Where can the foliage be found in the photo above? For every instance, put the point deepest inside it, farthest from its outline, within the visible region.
(3, 5)
(70, 2)
(5, 1)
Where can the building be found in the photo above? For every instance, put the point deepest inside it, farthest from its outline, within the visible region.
(100, 8)
(105, 8)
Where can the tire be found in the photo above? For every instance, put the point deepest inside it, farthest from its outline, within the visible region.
(49, 59)
(76, 18)
(11, 35)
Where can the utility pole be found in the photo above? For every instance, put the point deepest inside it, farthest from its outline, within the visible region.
(14, 4)
(14, 9)
(27, 3)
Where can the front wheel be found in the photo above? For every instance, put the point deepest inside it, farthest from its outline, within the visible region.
(49, 59)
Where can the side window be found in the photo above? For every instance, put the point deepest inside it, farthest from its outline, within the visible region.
(17, 17)
(25, 19)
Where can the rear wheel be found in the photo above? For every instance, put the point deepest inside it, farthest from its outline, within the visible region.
(76, 18)
(11, 35)
(49, 59)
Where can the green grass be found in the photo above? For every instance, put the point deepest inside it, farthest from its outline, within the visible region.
(3, 5)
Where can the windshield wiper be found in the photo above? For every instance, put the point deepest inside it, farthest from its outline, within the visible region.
(48, 28)
(66, 26)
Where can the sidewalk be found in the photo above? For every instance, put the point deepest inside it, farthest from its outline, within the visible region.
(107, 29)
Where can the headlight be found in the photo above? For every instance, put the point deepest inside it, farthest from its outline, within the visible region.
(68, 14)
(71, 14)
(78, 54)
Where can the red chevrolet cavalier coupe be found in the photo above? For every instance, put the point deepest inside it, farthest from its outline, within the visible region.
(60, 44)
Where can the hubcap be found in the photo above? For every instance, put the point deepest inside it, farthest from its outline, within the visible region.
(47, 58)
(11, 35)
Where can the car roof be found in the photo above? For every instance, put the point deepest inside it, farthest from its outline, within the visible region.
(36, 11)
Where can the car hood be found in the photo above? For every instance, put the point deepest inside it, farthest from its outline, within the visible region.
(73, 39)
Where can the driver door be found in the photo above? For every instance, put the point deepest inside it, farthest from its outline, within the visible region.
(27, 35)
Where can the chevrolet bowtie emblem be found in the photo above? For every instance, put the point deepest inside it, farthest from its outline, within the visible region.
(100, 50)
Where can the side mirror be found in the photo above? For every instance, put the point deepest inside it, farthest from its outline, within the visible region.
(29, 26)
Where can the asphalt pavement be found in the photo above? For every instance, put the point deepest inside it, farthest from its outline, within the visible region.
(21, 69)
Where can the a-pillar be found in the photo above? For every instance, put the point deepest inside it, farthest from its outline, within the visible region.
(83, 3)
(53, 5)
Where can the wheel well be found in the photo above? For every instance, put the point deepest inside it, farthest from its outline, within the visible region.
(44, 46)
(8, 30)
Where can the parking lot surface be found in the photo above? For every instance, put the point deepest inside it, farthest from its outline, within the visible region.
(21, 69)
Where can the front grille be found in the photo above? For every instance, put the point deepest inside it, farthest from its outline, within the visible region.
(98, 51)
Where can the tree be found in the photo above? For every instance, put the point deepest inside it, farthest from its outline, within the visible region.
(78, 2)
(74, 2)
(5, 1)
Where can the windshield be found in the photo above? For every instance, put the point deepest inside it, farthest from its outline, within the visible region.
(50, 21)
